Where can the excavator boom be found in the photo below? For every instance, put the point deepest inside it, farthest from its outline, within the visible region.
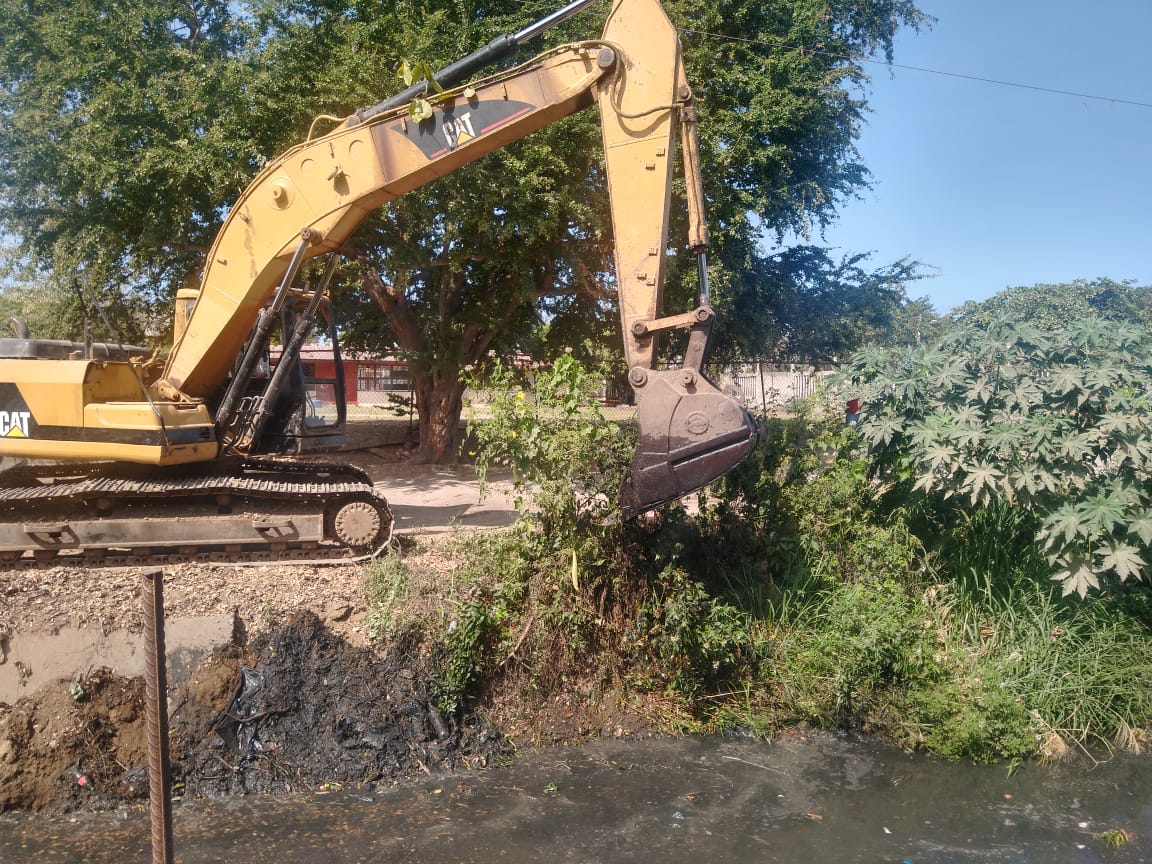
(323, 189)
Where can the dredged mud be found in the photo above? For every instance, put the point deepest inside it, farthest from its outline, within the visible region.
(300, 708)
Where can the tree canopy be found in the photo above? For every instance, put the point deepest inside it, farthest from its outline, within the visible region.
(1052, 306)
(800, 304)
(128, 128)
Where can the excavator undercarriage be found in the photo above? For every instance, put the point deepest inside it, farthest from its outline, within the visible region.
(244, 510)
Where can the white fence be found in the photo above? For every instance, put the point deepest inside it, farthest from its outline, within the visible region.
(766, 386)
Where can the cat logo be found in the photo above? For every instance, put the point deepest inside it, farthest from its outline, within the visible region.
(459, 130)
(449, 129)
(14, 424)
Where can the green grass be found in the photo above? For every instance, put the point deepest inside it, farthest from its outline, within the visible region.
(388, 594)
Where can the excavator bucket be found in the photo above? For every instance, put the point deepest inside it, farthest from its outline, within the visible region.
(690, 434)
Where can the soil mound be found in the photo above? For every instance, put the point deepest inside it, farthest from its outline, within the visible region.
(74, 742)
(299, 708)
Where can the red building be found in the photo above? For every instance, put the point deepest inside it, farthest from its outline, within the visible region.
(368, 378)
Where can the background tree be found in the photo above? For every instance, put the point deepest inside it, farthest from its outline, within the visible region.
(1051, 307)
(801, 305)
(129, 128)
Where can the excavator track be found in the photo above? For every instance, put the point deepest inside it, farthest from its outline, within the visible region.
(250, 511)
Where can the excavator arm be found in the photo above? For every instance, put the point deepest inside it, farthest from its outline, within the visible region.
(308, 202)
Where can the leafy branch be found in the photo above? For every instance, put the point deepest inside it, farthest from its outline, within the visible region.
(420, 108)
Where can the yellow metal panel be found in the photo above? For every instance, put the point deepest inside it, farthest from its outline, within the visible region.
(83, 410)
(77, 451)
(109, 382)
(142, 416)
(52, 389)
(636, 119)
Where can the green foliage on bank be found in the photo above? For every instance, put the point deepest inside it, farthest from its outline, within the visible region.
(799, 588)
(1055, 422)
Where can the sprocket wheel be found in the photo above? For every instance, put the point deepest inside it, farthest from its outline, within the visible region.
(358, 525)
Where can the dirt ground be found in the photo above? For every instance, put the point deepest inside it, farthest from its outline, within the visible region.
(320, 705)
(296, 709)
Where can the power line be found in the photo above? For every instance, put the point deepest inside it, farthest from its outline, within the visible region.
(980, 79)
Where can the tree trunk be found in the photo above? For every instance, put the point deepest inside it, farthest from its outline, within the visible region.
(439, 402)
(439, 391)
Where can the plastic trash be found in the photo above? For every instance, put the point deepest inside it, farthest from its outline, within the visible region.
(239, 724)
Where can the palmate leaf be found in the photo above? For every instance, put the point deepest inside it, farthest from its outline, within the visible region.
(1067, 380)
(1064, 525)
(1025, 394)
(1117, 421)
(1090, 332)
(938, 454)
(1032, 480)
(952, 374)
(1141, 526)
(1077, 446)
(1099, 377)
(1040, 430)
(1136, 453)
(927, 482)
(1129, 399)
(1123, 560)
(1128, 335)
(982, 482)
(968, 416)
(982, 390)
(1128, 495)
(880, 430)
(1102, 512)
(930, 430)
(968, 436)
(1076, 576)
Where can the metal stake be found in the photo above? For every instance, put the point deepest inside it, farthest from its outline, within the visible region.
(156, 697)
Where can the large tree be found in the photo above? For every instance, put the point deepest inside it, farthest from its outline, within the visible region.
(129, 126)
(1052, 306)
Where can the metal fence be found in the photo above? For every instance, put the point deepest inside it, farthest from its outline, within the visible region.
(761, 386)
(769, 386)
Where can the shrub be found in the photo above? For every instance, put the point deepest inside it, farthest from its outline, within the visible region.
(1055, 422)
(563, 452)
(697, 639)
(857, 648)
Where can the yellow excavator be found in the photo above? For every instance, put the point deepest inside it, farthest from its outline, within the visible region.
(197, 455)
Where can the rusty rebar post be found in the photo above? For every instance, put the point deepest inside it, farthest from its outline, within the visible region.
(156, 696)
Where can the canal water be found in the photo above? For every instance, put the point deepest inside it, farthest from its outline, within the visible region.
(821, 799)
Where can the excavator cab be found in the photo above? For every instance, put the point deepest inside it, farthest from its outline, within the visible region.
(310, 413)
(305, 410)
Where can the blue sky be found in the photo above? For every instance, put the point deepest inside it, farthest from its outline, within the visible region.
(998, 186)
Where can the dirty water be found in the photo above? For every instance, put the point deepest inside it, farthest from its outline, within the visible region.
(823, 799)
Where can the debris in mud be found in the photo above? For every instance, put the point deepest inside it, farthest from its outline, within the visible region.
(60, 751)
(298, 708)
(307, 708)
